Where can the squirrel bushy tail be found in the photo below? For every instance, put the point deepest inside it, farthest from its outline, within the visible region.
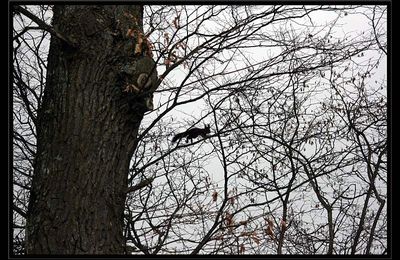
(178, 136)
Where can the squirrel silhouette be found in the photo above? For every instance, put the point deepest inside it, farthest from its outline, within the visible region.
(192, 133)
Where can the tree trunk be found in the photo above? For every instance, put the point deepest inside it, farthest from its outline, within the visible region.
(86, 131)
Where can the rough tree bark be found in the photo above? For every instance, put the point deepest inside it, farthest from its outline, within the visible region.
(86, 131)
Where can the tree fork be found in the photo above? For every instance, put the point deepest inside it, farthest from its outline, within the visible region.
(86, 132)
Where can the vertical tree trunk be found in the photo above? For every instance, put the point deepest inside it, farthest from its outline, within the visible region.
(86, 133)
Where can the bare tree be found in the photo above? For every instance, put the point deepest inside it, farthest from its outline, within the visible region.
(93, 103)
(295, 163)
